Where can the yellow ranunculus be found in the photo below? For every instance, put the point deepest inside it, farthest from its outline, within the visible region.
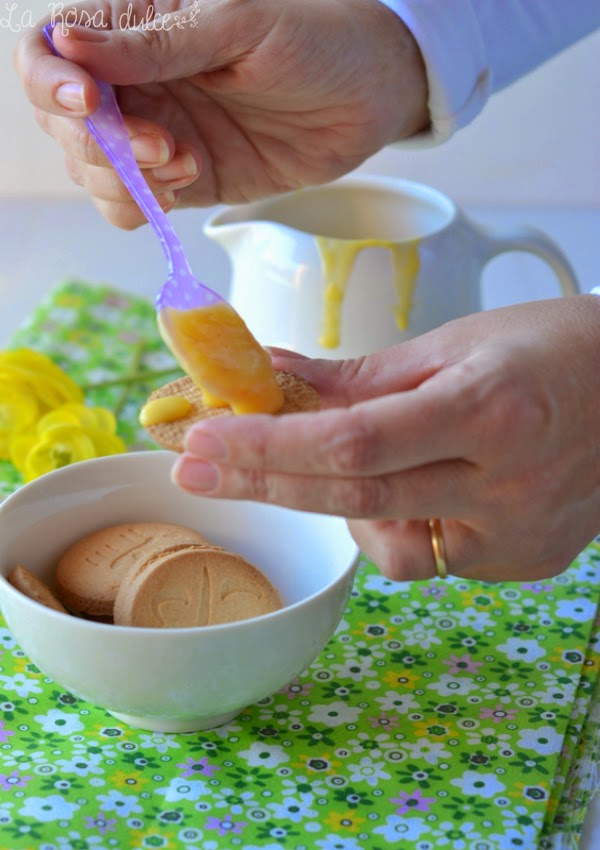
(44, 423)
(19, 448)
(55, 444)
(18, 412)
(79, 414)
(40, 377)
(30, 385)
(58, 446)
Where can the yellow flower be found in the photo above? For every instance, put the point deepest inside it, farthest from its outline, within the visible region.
(30, 385)
(325, 764)
(405, 678)
(66, 435)
(132, 780)
(431, 729)
(18, 412)
(520, 790)
(44, 423)
(339, 821)
(44, 380)
(79, 414)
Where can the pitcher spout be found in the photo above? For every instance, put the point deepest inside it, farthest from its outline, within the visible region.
(223, 227)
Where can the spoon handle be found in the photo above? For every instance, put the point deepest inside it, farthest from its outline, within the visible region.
(107, 127)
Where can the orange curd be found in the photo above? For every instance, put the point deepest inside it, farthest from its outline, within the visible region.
(215, 348)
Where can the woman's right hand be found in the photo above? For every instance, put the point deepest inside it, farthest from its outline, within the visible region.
(238, 100)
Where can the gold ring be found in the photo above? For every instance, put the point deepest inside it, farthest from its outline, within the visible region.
(439, 549)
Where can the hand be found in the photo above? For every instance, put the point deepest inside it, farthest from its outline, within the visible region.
(248, 99)
(491, 422)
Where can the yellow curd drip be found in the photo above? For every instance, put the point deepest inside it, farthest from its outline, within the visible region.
(215, 348)
(166, 409)
(338, 257)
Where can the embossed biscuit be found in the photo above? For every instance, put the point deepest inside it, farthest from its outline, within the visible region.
(33, 587)
(193, 585)
(89, 573)
(299, 397)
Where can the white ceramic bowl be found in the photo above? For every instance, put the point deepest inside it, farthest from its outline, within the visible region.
(173, 680)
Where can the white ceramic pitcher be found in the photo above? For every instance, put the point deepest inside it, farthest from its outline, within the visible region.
(365, 262)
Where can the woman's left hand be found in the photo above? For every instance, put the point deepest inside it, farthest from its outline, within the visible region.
(491, 423)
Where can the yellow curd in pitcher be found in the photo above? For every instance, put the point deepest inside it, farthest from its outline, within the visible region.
(215, 348)
(338, 257)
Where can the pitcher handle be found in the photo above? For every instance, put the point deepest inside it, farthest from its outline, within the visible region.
(532, 241)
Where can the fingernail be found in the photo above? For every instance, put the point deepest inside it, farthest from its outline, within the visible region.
(205, 445)
(166, 199)
(179, 168)
(150, 148)
(195, 475)
(70, 95)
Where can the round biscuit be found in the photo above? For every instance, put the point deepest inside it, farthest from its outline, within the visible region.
(192, 586)
(90, 571)
(32, 586)
(299, 395)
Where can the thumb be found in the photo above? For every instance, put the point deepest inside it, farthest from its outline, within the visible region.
(135, 49)
(341, 383)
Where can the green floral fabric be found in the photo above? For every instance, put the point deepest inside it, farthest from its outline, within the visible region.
(109, 344)
(443, 714)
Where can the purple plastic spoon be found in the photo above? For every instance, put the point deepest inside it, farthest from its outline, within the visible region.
(243, 378)
(181, 290)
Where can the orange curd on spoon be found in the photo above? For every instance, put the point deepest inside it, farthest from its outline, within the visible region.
(214, 346)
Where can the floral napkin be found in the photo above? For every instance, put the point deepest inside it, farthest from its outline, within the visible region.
(443, 714)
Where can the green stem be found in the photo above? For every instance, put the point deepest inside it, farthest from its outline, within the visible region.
(127, 380)
(138, 353)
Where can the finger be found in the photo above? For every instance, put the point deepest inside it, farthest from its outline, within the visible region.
(127, 215)
(448, 488)
(153, 145)
(463, 411)
(334, 380)
(52, 83)
(384, 435)
(173, 45)
(403, 551)
(284, 356)
(397, 368)
(106, 185)
(400, 549)
(341, 383)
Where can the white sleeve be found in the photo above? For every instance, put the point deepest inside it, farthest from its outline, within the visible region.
(473, 48)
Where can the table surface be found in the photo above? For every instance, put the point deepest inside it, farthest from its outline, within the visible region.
(45, 242)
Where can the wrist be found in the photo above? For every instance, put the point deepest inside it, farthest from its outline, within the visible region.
(406, 78)
(457, 69)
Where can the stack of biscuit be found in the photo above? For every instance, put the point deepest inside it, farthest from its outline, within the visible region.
(152, 574)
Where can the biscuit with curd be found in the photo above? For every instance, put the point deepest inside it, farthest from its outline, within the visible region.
(32, 586)
(91, 570)
(193, 585)
(299, 395)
